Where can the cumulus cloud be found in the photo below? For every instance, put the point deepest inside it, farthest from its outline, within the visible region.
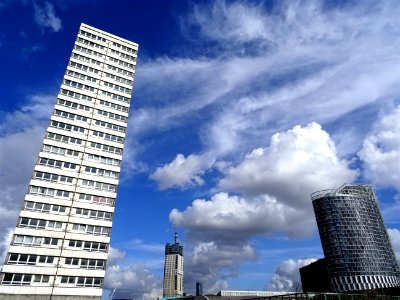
(275, 183)
(381, 151)
(287, 276)
(212, 263)
(45, 17)
(295, 164)
(133, 281)
(272, 186)
(182, 171)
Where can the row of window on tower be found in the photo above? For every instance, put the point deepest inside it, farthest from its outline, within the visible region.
(104, 40)
(98, 65)
(38, 279)
(56, 243)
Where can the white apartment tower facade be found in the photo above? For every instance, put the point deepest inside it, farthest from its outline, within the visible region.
(60, 244)
(173, 269)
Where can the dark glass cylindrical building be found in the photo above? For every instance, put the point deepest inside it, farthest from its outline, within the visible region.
(355, 241)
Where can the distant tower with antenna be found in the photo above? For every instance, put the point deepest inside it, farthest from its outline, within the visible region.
(173, 268)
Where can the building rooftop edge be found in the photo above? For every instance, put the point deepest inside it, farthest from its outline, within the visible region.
(330, 192)
(109, 34)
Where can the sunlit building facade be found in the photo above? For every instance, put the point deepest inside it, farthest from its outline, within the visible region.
(173, 269)
(356, 245)
(60, 244)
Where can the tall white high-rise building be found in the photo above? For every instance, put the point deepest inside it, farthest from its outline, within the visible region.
(173, 269)
(60, 244)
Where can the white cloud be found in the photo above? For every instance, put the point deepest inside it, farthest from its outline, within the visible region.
(233, 219)
(302, 62)
(381, 151)
(287, 275)
(46, 17)
(180, 172)
(5, 243)
(212, 263)
(295, 164)
(133, 281)
(21, 134)
(394, 234)
(275, 184)
(237, 21)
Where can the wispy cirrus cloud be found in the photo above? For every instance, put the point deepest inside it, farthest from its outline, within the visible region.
(46, 17)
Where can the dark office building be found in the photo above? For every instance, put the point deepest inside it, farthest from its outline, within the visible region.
(315, 278)
(354, 238)
(199, 289)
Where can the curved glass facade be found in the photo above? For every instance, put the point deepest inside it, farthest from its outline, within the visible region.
(356, 245)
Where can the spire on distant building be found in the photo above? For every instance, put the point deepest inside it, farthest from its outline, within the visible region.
(173, 268)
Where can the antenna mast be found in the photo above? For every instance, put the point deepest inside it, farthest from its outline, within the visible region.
(175, 235)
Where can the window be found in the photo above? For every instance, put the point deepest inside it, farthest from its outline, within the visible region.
(27, 240)
(121, 62)
(95, 214)
(117, 87)
(22, 259)
(85, 263)
(127, 49)
(83, 67)
(102, 172)
(68, 279)
(94, 246)
(72, 261)
(52, 177)
(88, 51)
(75, 95)
(44, 207)
(75, 244)
(39, 223)
(56, 163)
(90, 246)
(85, 59)
(108, 137)
(97, 199)
(54, 224)
(116, 96)
(112, 116)
(89, 229)
(89, 281)
(50, 241)
(92, 36)
(99, 185)
(33, 223)
(43, 259)
(89, 43)
(17, 279)
(68, 115)
(106, 148)
(67, 127)
(114, 106)
(119, 70)
(110, 126)
(47, 192)
(73, 105)
(63, 138)
(41, 278)
(119, 79)
(123, 55)
(104, 160)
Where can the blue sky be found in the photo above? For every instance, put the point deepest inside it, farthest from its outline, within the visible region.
(241, 109)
